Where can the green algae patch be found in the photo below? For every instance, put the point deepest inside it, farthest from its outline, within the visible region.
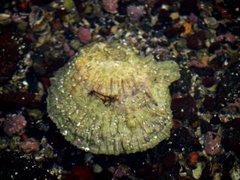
(109, 100)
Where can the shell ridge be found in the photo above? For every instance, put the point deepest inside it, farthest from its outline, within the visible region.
(109, 100)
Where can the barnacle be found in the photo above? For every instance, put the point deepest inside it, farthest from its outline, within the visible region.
(39, 23)
(109, 100)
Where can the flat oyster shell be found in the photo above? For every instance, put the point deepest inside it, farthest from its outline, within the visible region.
(109, 100)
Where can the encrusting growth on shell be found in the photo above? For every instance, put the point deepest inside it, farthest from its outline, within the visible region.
(109, 100)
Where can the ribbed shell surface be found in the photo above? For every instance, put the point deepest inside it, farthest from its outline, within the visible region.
(109, 100)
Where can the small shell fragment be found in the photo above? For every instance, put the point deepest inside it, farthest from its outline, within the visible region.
(110, 100)
(5, 18)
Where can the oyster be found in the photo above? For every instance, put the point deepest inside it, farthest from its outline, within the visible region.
(109, 100)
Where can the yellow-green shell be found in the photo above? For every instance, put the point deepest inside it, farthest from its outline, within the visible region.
(109, 100)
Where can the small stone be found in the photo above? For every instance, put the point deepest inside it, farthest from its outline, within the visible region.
(114, 29)
(235, 171)
(5, 18)
(35, 113)
(68, 4)
(187, 29)
(97, 168)
(193, 158)
(14, 142)
(211, 22)
(174, 15)
(75, 44)
(197, 172)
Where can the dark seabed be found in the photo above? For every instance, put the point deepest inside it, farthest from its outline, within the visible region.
(37, 37)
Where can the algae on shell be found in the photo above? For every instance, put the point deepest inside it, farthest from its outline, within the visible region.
(109, 100)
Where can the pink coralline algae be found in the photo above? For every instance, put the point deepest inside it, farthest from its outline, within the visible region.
(228, 37)
(135, 12)
(14, 125)
(29, 145)
(195, 63)
(235, 104)
(68, 50)
(193, 18)
(110, 6)
(212, 143)
(84, 35)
